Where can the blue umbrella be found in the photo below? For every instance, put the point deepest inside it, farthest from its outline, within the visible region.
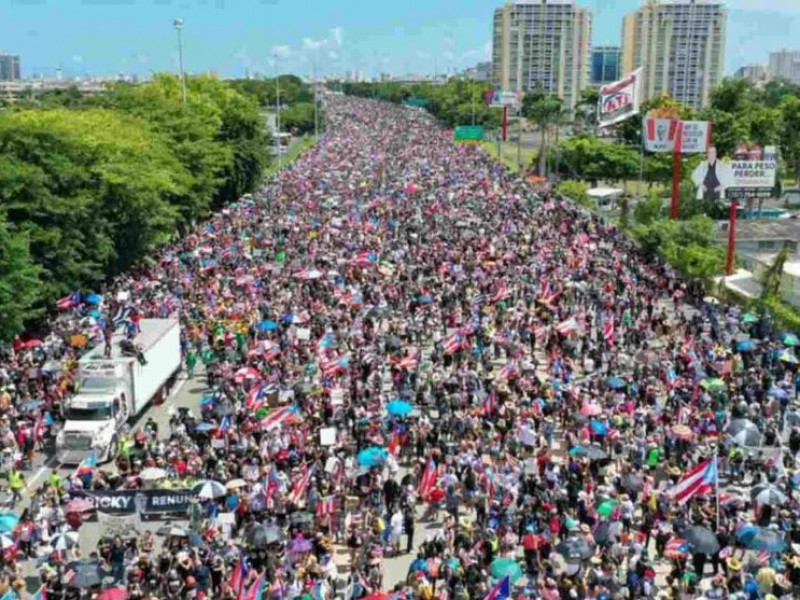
(399, 408)
(419, 565)
(745, 346)
(760, 538)
(93, 299)
(778, 392)
(31, 405)
(202, 427)
(8, 521)
(267, 326)
(615, 383)
(426, 299)
(599, 427)
(95, 314)
(372, 457)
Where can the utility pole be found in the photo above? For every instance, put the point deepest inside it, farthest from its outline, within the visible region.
(178, 24)
(519, 139)
(278, 111)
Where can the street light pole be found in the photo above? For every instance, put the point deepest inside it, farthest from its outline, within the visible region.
(278, 112)
(178, 24)
(316, 101)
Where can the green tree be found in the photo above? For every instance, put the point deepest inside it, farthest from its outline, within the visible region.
(773, 276)
(19, 282)
(593, 159)
(299, 117)
(544, 110)
(648, 209)
(790, 132)
(578, 192)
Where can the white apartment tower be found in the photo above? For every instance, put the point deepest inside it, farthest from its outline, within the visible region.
(543, 43)
(681, 46)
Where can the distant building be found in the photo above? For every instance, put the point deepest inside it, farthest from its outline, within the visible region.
(758, 74)
(542, 43)
(605, 65)
(681, 46)
(480, 72)
(9, 67)
(785, 64)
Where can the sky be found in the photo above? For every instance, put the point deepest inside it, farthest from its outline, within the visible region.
(327, 37)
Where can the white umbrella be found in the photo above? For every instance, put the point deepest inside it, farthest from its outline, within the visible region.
(210, 489)
(153, 474)
(6, 541)
(65, 540)
(235, 484)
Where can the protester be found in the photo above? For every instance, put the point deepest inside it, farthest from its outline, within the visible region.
(397, 325)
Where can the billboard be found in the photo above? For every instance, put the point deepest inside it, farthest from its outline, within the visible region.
(695, 137)
(750, 174)
(660, 135)
(620, 100)
(499, 99)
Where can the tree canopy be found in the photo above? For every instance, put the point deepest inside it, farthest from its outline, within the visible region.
(90, 185)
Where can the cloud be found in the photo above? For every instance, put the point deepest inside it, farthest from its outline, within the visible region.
(143, 58)
(422, 54)
(333, 55)
(77, 58)
(281, 51)
(448, 55)
(487, 49)
(449, 40)
(336, 36)
(312, 44)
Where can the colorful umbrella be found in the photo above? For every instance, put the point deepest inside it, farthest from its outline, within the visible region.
(372, 457)
(399, 408)
(505, 567)
(606, 508)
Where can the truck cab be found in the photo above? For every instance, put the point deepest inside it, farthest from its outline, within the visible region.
(95, 416)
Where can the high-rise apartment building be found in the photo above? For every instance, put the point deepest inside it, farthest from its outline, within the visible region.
(757, 74)
(681, 46)
(9, 67)
(605, 65)
(542, 43)
(785, 64)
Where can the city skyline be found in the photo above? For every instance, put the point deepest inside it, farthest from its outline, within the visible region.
(136, 36)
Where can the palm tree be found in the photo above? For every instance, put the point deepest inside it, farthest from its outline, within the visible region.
(544, 110)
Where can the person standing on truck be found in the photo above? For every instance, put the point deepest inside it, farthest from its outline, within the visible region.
(191, 362)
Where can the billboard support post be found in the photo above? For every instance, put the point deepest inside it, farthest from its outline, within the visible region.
(674, 209)
(731, 238)
(505, 122)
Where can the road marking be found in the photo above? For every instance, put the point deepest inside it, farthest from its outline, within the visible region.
(177, 388)
(39, 473)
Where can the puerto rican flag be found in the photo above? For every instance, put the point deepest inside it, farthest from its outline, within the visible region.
(509, 371)
(700, 480)
(454, 342)
(256, 591)
(336, 366)
(410, 362)
(394, 442)
(365, 258)
(278, 416)
(608, 330)
(326, 342)
(676, 548)
(490, 404)
(502, 293)
(239, 575)
(256, 398)
(298, 492)
(502, 591)
(326, 506)
(68, 302)
(568, 326)
(428, 480)
(87, 466)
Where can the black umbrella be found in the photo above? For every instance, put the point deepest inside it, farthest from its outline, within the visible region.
(261, 536)
(575, 548)
(86, 574)
(632, 482)
(701, 540)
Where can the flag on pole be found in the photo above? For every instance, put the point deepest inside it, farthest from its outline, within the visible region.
(608, 330)
(298, 492)
(278, 416)
(502, 591)
(256, 590)
(428, 480)
(87, 466)
(326, 506)
(239, 575)
(699, 480)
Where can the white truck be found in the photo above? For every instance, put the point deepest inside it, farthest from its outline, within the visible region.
(115, 390)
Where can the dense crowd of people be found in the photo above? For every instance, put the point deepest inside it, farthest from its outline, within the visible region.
(414, 361)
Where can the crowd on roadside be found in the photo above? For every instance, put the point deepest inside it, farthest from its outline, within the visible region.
(410, 353)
